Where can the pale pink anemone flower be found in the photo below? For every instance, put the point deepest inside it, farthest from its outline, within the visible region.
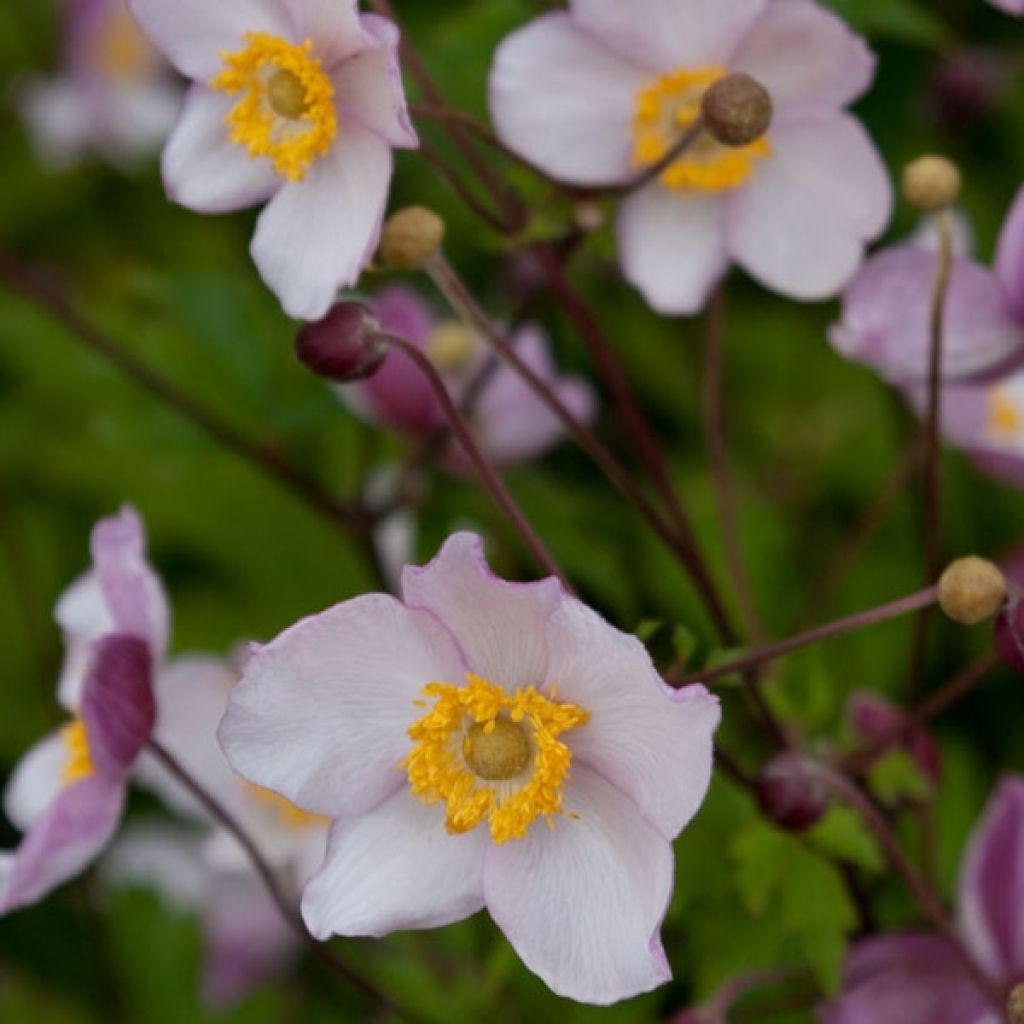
(1009, 6)
(113, 95)
(595, 95)
(66, 794)
(481, 743)
(917, 978)
(299, 102)
(508, 421)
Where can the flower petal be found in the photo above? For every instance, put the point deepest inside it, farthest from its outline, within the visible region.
(803, 53)
(193, 33)
(36, 781)
(1009, 6)
(499, 626)
(565, 102)
(992, 883)
(64, 840)
(582, 903)
(395, 868)
(334, 26)
(318, 234)
(1010, 256)
(651, 742)
(801, 224)
(369, 86)
(666, 34)
(321, 712)
(167, 858)
(203, 169)
(83, 616)
(887, 313)
(672, 246)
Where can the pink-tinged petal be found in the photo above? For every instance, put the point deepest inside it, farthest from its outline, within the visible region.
(334, 27)
(138, 120)
(651, 742)
(83, 616)
(132, 590)
(565, 102)
(582, 903)
(404, 312)
(803, 53)
(800, 225)
(36, 781)
(203, 169)
(992, 884)
(369, 87)
(164, 857)
(64, 840)
(886, 318)
(667, 34)
(1010, 256)
(395, 868)
(1009, 6)
(907, 979)
(672, 246)
(499, 626)
(316, 235)
(321, 712)
(192, 34)
(118, 710)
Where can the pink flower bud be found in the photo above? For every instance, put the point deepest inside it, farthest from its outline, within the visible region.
(345, 345)
(792, 792)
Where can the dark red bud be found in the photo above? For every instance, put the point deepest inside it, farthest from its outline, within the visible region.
(792, 792)
(346, 345)
(1009, 634)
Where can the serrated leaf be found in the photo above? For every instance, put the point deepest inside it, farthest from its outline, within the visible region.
(843, 834)
(896, 777)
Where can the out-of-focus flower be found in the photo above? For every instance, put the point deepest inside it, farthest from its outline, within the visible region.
(114, 94)
(483, 743)
(295, 101)
(509, 422)
(247, 942)
(66, 793)
(968, 86)
(875, 719)
(887, 309)
(1010, 6)
(596, 95)
(917, 978)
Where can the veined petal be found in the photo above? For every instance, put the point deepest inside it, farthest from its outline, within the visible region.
(203, 169)
(192, 34)
(334, 27)
(666, 34)
(1010, 256)
(499, 626)
(582, 903)
(321, 712)
(565, 102)
(35, 782)
(803, 53)
(672, 246)
(395, 868)
(651, 742)
(801, 224)
(317, 235)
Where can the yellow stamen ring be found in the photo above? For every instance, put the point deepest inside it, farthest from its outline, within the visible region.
(665, 109)
(79, 764)
(490, 754)
(286, 111)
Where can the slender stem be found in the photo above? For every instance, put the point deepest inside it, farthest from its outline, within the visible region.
(681, 145)
(460, 188)
(891, 610)
(270, 880)
(488, 475)
(714, 430)
(717, 1009)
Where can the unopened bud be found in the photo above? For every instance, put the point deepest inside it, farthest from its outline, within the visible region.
(971, 590)
(792, 792)
(410, 237)
(736, 110)
(931, 183)
(1009, 634)
(346, 345)
(1015, 1005)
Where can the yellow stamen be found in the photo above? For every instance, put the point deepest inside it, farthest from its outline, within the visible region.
(286, 111)
(664, 111)
(490, 754)
(451, 346)
(79, 764)
(1004, 418)
(284, 809)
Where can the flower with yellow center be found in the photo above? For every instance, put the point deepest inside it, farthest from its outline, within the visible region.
(1004, 415)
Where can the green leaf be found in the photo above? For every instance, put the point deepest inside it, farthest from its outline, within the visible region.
(842, 834)
(895, 777)
(903, 20)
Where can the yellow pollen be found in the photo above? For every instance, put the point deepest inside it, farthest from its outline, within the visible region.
(451, 346)
(1003, 415)
(490, 754)
(286, 106)
(79, 764)
(664, 111)
(284, 809)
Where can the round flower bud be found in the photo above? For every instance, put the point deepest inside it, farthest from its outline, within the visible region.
(1015, 1005)
(931, 183)
(736, 110)
(792, 792)
(971, 590)
(410, 237)
(1009, 635)
(345, 345)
